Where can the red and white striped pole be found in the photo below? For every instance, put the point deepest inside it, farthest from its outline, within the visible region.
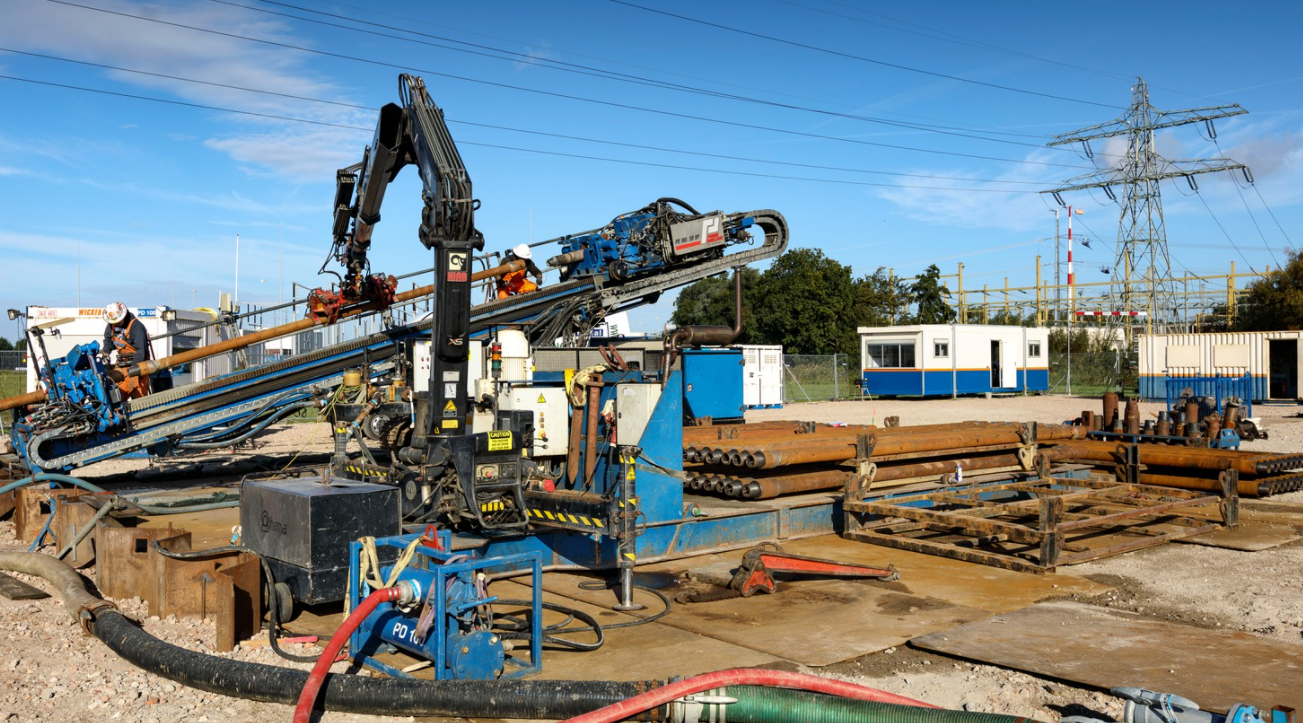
(1072, 278)
(1070, 274)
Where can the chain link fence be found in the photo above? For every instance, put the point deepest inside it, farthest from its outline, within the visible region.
(819, 377)
(1093, 373)
(827, 377)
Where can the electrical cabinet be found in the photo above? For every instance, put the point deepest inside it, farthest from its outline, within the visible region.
(634, 404)
(551, 417)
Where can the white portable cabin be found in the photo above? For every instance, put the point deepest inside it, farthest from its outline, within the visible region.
(1271, 358)
(952, 359)
(67, 327)
(762, 376)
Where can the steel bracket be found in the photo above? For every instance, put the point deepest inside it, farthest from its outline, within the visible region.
(1230, 502)
(865, 470)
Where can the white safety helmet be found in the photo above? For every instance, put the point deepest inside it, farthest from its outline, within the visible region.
(114, 313)
(522, 252)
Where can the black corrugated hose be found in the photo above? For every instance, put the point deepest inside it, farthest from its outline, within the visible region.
(542, 699)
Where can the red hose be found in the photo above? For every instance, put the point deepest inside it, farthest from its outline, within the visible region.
(308, 698)
(630, 707)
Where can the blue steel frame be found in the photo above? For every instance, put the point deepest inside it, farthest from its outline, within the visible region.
(436, 563)
(668, 528)
(1218, 387)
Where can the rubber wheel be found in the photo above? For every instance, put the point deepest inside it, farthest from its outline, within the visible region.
(284, 603)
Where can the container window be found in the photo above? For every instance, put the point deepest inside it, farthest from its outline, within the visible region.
(941, 349)
(890, 356)
(1034, 349)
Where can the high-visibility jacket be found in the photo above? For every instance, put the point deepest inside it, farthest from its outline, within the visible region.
(515, 282)
(120, 338)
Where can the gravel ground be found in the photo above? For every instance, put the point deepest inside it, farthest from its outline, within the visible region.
(50, 671)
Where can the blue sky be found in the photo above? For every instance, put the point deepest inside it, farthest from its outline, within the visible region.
(153, 194)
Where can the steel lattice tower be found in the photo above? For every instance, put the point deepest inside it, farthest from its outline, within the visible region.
(1142, 269)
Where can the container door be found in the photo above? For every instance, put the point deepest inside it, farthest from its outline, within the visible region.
(771, 376)
(1282, 368)
(997, 355)
(751, 371)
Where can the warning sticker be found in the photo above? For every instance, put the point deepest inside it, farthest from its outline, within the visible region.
(499, 441)
(450, 409)
(541, 400)
(449, 389)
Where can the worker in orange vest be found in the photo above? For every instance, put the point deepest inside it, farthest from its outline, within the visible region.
(515, 282)
(126, 343)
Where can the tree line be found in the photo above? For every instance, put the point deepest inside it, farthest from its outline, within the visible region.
(812, 304)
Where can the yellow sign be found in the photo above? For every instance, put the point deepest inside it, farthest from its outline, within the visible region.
(541, 400)
(450, 407)
(499, 441)
(449, 424)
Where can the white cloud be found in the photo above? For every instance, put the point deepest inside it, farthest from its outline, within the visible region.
(976, 203)
(273, 147)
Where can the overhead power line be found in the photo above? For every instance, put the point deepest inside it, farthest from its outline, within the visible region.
(273, 116)
(561, 51)
(549, 64)
(554, 94)
(852, 56)
(528, 131)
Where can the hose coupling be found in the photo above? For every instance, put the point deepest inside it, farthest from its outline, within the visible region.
(702, 707)
(86, 613)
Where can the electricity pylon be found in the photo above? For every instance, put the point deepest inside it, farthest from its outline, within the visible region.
(1142, 274)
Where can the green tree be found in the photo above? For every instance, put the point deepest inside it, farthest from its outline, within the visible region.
(880, 300)
(710, 302)
(1273, 303)
(5, 345)
(806, 303)
(21, 344)
(929, 295)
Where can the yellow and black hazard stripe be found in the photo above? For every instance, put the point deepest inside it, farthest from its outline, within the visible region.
(366, 471)
(493, 506)
(567, 518)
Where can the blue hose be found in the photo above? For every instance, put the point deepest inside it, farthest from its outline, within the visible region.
(83, 484)
(278, 415)
(242, 420)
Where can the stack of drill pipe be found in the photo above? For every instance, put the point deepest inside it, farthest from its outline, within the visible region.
(832, 448)
(767, 484)
(742, 445)
(1196, 468)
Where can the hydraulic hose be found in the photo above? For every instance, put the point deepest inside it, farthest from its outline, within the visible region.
(524, 699)
(308, 698)
(169, 509)
(274, 417)
(287, 398)
(665, 694)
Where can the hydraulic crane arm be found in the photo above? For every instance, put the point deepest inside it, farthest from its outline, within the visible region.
(407, 134)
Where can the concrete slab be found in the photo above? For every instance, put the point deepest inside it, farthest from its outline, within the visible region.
(822, 622)
(1103, 648)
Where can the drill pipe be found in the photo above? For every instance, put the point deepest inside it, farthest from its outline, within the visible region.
(803, 453)
(151, 366)
(1246, 487)
(1213, 460)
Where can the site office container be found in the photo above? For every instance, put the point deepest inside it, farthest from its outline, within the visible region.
(948, 359)
(1271, 358)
